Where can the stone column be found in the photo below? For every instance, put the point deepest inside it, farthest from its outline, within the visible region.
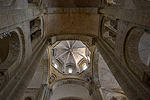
(95, 94)
(24, 80)
(46, 93)
(42, 92)
(128, 84)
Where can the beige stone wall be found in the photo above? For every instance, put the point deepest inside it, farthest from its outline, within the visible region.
(72, 91)
(85, 24)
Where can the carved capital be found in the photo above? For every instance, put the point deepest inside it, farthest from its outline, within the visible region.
(52, 79)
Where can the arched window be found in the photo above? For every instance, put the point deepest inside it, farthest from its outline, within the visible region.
(70, 70)
(35, 31)
(55, 65)
(84, 66)
(109, 31)
(137, 52)
(144, 48)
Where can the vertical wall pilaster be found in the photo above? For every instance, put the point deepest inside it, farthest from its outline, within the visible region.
(46, 93)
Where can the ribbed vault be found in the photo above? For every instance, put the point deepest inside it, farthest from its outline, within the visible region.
(71, 56)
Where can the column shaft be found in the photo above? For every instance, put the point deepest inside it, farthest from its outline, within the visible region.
(45, 93)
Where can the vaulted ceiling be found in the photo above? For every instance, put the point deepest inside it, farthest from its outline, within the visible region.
(71, 54)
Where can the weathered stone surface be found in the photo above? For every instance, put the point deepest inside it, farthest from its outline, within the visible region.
(85, 24)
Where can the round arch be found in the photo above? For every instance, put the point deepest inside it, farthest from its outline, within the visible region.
(36, 31)
(13, 52)
(108, 32)
(67, 81)
(69, 91)
(84, 38)
(131, 52)
(113, 95)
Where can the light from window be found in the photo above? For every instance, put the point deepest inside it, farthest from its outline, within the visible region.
(84, 67)
(55, 66)
(70, 70)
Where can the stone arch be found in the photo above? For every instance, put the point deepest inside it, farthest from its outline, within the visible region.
(36, 31)
(59, 63)
(54, 39)
(13, 53)
(42, 26)
(131, 53)
(116, 95)
(60, 82)
(109, 31)
(15, 48)
(81, 63)
(72, 91)
(88, 81)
